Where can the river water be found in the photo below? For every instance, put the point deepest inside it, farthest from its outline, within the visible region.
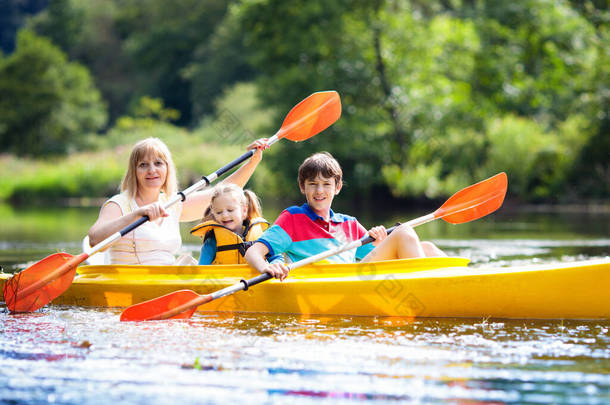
(69, 355)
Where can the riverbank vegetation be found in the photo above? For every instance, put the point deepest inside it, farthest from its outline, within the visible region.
(96, 171)
(435, 95)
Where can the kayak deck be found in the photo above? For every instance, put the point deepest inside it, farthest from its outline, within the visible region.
(432, 287)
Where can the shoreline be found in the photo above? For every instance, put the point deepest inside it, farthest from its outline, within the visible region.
(584, 208)
(509, 206)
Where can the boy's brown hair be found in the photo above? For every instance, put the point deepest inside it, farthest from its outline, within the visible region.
(322, 163)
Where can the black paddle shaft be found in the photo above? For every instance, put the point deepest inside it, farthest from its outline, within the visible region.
(370, 239)
(234, 163)
(255, 280)
(133, 225)
(266, 276)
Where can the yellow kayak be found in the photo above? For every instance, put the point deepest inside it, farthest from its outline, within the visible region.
(432, 287)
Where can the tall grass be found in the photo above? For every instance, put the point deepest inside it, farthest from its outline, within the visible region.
(87, 174)
(97, 174)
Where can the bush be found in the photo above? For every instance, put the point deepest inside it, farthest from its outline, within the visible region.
(46, 102)
(536, 160)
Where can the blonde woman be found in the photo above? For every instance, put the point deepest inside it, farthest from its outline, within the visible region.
(150, 181)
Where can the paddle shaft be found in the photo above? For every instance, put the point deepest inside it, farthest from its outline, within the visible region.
(355, 244)
(245, 284)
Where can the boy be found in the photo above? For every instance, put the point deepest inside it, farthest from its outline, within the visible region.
(304, 231)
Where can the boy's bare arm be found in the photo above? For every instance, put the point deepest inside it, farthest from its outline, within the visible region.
(255, 256)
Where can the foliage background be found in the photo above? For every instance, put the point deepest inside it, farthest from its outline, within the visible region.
(436, 94)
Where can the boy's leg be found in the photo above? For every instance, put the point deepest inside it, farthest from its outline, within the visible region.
(402, 243)
(432, 250)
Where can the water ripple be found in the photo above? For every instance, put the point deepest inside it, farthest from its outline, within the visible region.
(69, 355)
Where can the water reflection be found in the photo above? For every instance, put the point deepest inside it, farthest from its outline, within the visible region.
(70, 354)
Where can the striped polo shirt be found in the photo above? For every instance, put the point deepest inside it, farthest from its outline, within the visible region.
(299, 232)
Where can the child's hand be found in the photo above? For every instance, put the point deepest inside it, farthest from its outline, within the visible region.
(277, 270)
(379, 233)
(259, 145)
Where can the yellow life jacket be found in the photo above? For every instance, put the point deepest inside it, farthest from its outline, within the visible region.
(231, 247)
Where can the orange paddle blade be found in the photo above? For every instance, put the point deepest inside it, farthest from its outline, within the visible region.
(40, 283)
(311, 116)
(164, 307)
(474, 201)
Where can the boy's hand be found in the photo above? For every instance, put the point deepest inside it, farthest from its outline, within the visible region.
(379, 233)
(277, 270)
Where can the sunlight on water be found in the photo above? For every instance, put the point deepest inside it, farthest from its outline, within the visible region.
(525, 251)
(69, 355)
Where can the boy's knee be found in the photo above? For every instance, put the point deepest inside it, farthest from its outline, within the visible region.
(428, 246)
(406, 232)
(432, 250)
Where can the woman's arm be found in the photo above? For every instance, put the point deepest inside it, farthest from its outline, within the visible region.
(243, 174)
(112, 220)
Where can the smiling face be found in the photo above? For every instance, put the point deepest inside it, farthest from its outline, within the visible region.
(229, 211)
(320, 192)
(151, 172)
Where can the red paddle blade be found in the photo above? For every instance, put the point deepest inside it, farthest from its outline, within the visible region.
(169, 306)
(474, 201)
(40, 283)
(311, 116)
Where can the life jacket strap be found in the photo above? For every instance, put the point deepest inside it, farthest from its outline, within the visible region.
(241, 247)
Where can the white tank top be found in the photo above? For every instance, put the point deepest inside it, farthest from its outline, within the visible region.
(152, 243)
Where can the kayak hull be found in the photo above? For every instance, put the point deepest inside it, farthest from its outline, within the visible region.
(434, 287)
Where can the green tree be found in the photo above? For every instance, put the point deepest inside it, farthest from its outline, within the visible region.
(218, 63)
(46, 103)
(161, 39)
(423, 85)
(62, 22)
(183, 51)
(536, 58)
(402, 78)
(12, 17)
(90, 32)
(591, 173)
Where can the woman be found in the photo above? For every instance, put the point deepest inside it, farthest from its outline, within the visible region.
(150, 181)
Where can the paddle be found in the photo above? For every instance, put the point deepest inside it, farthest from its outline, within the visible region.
(45, 280)
(466, 205)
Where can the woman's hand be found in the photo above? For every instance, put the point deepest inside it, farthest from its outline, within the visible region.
(379, 233)
(259, 145)
(277, 270)
(153, 211)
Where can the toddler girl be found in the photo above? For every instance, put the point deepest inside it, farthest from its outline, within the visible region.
(230, 225)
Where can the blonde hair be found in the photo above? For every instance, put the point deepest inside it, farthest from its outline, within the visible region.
(149, 147)
(246, 198)
(322, 163)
